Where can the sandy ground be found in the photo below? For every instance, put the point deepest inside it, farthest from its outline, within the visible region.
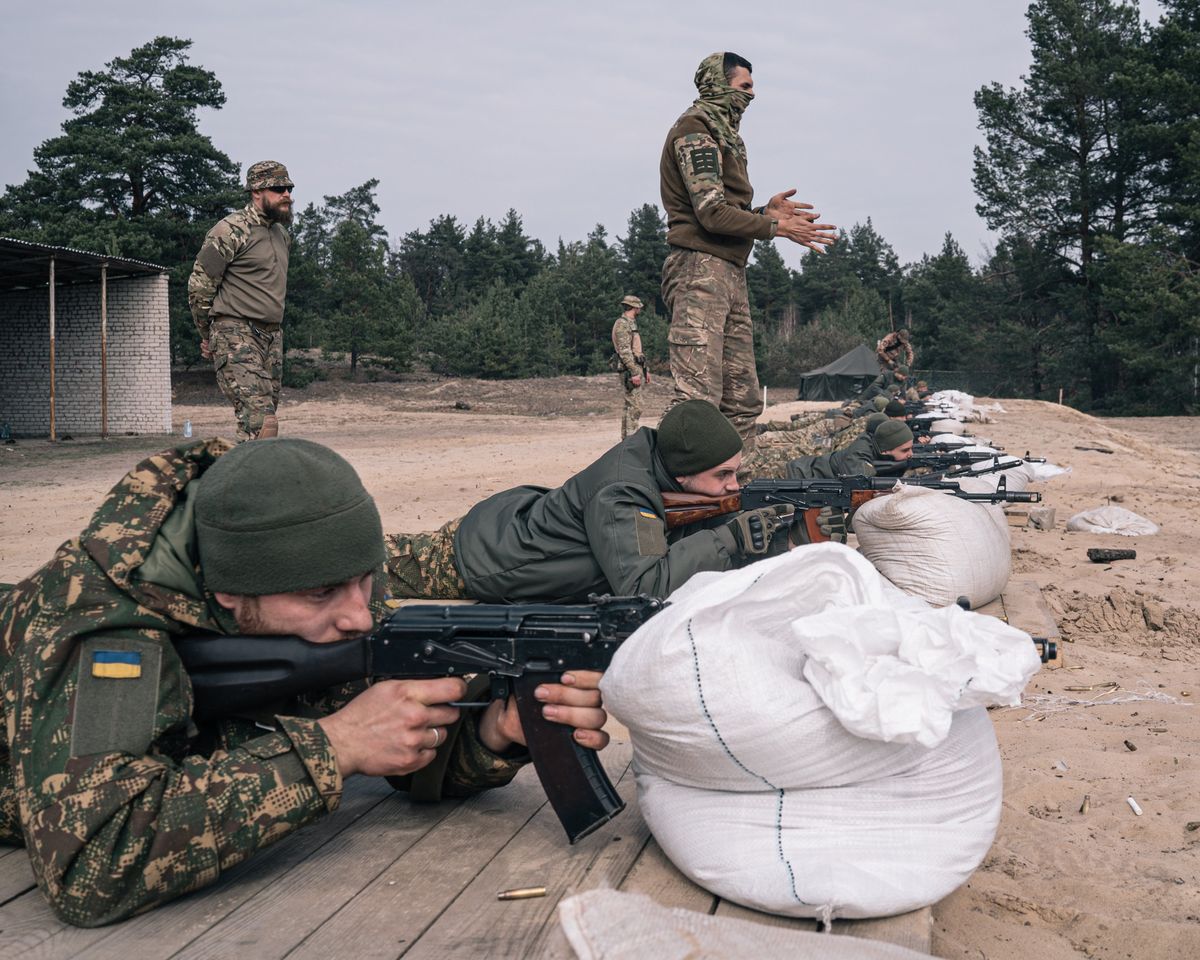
(1058, 882)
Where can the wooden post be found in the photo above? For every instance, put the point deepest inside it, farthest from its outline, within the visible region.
(1060, 390)
(53, 435)
(104, 351)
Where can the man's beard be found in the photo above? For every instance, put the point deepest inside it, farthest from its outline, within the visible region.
(280, 213)
(249, 620)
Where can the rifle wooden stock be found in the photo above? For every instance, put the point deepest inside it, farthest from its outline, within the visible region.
(685, 508)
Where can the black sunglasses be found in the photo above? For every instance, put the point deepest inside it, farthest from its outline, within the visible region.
(280, 189)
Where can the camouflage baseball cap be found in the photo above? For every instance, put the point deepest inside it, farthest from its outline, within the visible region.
(267, 173)
(631, 301)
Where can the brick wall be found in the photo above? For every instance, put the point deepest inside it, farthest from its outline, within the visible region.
(139, 361)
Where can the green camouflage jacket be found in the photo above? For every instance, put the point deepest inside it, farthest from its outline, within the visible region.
(240, 271)
(122, 801)
(627, 342)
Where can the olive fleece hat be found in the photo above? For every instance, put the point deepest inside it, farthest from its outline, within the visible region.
(694, 436)
(890, 435)
(275, 516)
(879, 403)
(874, 420)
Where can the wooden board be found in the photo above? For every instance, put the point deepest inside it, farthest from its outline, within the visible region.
(1026, 609)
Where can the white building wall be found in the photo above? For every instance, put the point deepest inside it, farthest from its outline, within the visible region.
(139, 358)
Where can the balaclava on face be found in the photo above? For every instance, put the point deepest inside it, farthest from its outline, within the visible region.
(720, 103)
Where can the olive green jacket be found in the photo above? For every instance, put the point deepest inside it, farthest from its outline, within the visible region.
(603, 531)
(854, 461)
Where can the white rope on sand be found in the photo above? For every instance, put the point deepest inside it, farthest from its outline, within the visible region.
(1106, 694)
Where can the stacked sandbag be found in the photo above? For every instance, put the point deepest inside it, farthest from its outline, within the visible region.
(810, 741)
(935, 546)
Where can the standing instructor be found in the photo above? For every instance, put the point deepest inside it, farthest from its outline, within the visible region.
(236, 292)
(711, 227)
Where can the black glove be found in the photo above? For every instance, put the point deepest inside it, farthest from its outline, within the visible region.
(833, 523)
(753, 530)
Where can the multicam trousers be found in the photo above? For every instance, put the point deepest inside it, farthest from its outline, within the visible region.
(811, 436)
(711, 337)
(631, 416)
(249, 366)
(422, 564)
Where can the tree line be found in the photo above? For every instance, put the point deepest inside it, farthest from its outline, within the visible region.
(1089, 172)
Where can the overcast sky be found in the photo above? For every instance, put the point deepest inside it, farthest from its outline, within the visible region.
(557, 108)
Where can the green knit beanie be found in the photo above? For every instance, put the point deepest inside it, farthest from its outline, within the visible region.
(890, 435)
(280, 515)
(874, 420)
(879, 403)
(694, 436)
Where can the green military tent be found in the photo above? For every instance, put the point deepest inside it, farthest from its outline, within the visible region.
(842, 379)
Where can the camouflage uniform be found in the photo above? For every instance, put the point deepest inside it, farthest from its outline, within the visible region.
(888, 350)
(711, 227)
(122, 800)
(236, 293)
(422, 564)
(631, 362)
(815, 435)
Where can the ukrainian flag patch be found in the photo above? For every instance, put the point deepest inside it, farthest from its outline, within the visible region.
(117, 664)
(649, 514)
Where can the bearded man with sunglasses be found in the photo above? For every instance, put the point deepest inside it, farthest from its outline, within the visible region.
(236, 293)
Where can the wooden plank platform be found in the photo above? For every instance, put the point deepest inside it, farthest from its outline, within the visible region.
(1023, 606)
(385, 878)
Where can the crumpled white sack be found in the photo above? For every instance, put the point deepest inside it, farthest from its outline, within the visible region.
(780, 717)
(773, 645)
(1110, 519)
(610, 925)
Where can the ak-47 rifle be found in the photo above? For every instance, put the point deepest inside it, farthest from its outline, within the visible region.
(943, 447)
(517, 646)
(809, 497)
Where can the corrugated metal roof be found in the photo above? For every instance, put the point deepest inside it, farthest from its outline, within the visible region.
(24, 264)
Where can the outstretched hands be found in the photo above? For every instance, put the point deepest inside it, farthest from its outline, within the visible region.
(798, 223)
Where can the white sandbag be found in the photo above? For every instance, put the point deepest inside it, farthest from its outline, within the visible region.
(1041, 472)
(933, 545)
(870, 847)
(1110, 519)
(808, 690)
(611, 925)
(947, 426)
(1015, 480)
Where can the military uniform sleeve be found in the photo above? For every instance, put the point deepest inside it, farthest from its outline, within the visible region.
(623, 342)
(627, 533)
(113, 823)
(221, 244)
(698, 157)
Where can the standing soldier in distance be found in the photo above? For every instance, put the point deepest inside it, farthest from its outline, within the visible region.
(631, 362)
(236, 292)
(889, 349)
(711, 227)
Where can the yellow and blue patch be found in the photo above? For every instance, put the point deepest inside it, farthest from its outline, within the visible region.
(649, 514)
(117, 664)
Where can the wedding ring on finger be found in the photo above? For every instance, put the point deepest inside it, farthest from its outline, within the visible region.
(437, 737)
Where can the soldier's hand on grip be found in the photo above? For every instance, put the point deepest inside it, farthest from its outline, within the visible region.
(385, 730)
